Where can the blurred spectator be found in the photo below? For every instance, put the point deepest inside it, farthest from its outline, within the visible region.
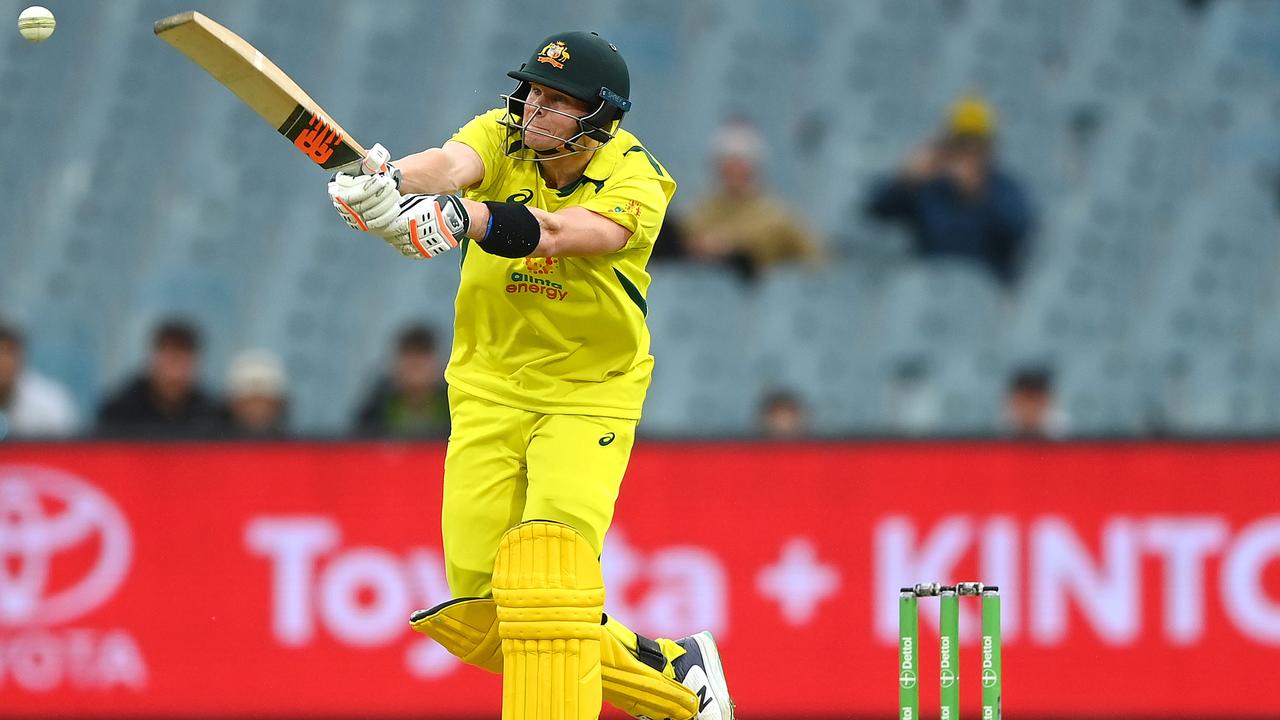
(738, 223)
(256, 403)
(1030, 409)
(783, 416)
(955, 198)
(413, 401)
(914, 402)
(671, 243)
(31, 405)
(164, 400)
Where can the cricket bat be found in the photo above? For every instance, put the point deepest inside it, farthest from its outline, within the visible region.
(266, 88)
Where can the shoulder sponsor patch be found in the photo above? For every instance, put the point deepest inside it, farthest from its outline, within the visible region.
(633, 207)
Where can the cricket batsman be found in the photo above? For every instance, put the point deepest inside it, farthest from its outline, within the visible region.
(553, 209)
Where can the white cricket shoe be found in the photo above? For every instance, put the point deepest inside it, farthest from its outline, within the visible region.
(699, 669)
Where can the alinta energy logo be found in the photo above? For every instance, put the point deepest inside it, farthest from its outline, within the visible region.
(65, 549)
(533, 281)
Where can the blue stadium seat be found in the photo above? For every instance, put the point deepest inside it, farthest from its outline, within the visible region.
(1104, 392)
(695, 314)
(1218, 391)
(934, 307)
(812, 335)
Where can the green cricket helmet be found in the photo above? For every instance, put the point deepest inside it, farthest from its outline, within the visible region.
(581, 65)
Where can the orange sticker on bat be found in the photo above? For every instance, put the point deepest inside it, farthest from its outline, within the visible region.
(318, 140)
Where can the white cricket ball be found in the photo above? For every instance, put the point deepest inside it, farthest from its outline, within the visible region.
(36, 23)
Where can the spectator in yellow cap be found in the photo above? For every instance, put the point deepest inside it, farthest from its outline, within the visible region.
(955, 199)
(971, 116)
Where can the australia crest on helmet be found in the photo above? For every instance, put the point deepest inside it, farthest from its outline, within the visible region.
(555, 54)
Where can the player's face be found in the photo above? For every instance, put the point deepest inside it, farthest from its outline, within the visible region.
(553, 120)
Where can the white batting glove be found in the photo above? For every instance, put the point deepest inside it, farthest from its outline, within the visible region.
(428, 225)
(358, 202)
(365, 202)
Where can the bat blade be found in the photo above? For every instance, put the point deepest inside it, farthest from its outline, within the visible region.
(262, 86)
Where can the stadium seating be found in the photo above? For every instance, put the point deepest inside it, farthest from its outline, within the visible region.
(1146, 131)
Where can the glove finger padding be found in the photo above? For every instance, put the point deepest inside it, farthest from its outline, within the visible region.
(364, 192)
(376, 213)
(365, 202)
(381, 216)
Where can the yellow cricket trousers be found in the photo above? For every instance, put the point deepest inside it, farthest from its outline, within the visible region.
(505, 466)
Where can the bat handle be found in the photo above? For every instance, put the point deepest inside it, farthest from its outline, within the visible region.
(375, 161)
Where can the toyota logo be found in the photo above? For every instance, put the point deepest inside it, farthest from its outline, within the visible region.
(64, 547)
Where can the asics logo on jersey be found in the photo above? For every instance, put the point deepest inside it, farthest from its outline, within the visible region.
(523, 197)
(607, 440)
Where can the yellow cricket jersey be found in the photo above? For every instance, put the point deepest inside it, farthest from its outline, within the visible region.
(560, 335)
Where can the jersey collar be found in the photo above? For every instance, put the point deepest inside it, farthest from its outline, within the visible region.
(604, 161)
(598, 169)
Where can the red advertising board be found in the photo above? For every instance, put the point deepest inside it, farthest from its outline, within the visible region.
(1137, 579)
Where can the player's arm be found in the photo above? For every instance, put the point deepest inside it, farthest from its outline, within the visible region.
(441, 171)
(571, 232)
(428, 225)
